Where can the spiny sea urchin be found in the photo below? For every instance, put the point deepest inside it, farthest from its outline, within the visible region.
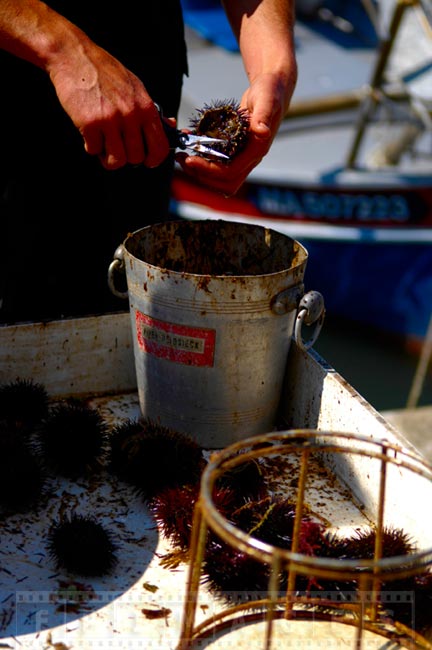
(173, 509)
(21, 474)
(23, 404)
(225, 120)
(361, 544)
(81, 545)
(233, 573)
(72, 438)
(152, 457)
(246, 480)
(420, 619)
(272, 521)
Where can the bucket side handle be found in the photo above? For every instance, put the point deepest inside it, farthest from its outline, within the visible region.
(311, 311)
(117, 267)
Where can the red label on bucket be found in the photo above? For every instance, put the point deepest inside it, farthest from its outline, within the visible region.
(189, 345)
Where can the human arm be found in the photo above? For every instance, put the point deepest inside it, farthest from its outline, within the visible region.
(106, 102)
(264, 30)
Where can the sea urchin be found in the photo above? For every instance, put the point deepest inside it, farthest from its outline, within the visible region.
(81, 545)
(23, 404)
(225, 120)
(152, 457)
(72, 438)
(21, 475)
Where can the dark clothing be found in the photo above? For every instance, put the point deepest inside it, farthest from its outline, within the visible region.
(62, 214)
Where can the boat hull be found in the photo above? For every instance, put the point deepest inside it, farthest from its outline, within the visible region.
(370, 248)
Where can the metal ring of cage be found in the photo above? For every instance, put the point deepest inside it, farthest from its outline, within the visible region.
(391, 460)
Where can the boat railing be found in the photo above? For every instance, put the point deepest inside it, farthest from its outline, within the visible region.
(406, 92)
(418, 100)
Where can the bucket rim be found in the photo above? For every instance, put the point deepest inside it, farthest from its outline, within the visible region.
(292, 268)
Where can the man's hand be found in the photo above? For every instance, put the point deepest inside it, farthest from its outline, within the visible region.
(110, 107)
(266, 104)
(107, 103)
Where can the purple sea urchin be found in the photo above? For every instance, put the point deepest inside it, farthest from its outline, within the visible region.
(72, 438)
(82, 546)
(173, 509)
(123, 454)
(225, 120)
(246, 480)
(361, 544)
(395, 541)
(23, 404)
(272, 521)
(21, 475)
(233, 573)
(152, 457)
(268, 520)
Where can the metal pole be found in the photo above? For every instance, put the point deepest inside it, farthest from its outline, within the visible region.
(422, 366)
(377, 78)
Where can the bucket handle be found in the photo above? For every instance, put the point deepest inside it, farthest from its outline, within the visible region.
(117, 266)
(311, 311)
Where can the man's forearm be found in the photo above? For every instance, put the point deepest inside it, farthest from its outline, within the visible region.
(264, 30)
(32, 31)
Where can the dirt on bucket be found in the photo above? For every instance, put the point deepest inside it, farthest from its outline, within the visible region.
(215, 248)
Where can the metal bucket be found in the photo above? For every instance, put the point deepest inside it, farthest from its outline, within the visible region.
(213, 306)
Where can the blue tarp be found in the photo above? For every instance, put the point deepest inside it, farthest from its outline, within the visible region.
(209, 20)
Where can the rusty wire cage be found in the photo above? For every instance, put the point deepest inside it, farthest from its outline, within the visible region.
(384, 481)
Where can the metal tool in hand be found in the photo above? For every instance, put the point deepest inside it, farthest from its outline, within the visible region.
(197, 143)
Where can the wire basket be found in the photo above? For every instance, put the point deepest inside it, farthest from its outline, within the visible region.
(385, 480)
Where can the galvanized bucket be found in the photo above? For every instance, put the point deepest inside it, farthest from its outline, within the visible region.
(214, 306)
